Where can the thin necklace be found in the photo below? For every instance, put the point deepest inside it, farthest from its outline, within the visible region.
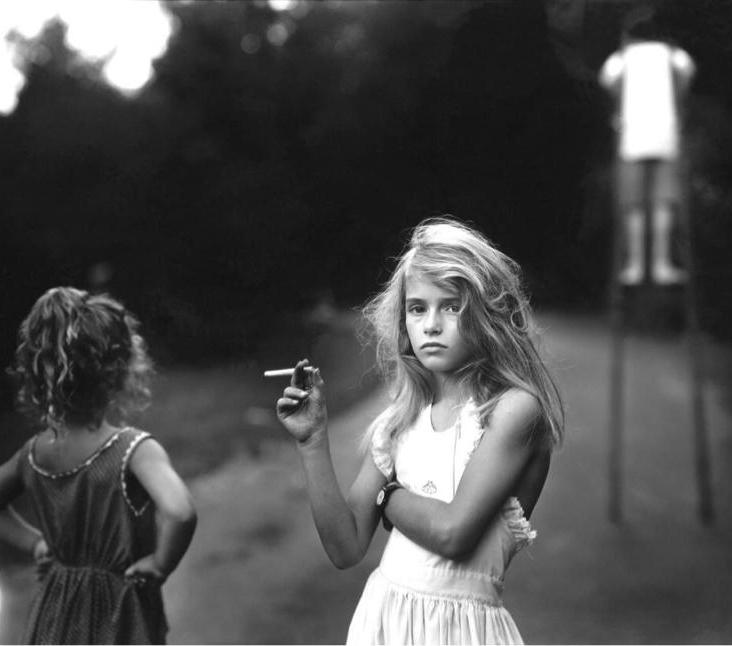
(454, 454)
(457, 429)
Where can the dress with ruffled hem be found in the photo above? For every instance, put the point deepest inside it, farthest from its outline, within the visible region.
(416, 596)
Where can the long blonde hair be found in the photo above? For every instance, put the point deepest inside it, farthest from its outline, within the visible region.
(495, 320)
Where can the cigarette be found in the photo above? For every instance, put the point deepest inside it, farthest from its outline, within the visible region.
(285, 372)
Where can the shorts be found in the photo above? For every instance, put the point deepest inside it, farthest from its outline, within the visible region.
(657, 180)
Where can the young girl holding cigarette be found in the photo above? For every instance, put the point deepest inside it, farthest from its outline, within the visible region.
(456, 463)
(114, 515)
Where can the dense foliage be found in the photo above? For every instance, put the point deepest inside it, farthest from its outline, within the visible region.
(244, 184)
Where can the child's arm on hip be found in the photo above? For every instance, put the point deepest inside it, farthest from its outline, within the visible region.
(19, 533)
(175, 514)
(14, 530)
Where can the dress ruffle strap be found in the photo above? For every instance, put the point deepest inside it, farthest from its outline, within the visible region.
(381, 446)
(517, 522)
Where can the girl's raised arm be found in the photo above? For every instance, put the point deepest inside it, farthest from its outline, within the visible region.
(174, 512)
(345, 526)
(492, 475)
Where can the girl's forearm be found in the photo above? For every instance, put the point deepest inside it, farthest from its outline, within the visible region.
(430, 523)
(174, 535)
(333, 517)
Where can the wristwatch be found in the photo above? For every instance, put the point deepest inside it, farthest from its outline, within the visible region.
(382, 498)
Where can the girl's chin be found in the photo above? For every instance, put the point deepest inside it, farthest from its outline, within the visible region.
(434, 364)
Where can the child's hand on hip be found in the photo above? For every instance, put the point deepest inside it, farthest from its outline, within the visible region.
(302, 409)
(42, 557)
(145, 570)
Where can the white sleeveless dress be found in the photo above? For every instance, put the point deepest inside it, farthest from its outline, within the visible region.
(416, 596)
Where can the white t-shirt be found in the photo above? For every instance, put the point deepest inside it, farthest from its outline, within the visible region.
(649, 120)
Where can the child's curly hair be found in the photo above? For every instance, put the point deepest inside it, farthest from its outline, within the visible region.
(79, 357)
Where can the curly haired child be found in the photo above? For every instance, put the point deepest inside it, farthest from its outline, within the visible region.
(115, 516)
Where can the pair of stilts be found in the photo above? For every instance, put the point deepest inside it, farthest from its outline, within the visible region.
(631, 258)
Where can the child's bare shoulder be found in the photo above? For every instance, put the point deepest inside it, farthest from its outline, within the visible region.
(518, 400)
(145, 449)
(516, 412)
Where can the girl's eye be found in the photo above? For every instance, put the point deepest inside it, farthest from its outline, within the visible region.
(453, 308)
(415, 309)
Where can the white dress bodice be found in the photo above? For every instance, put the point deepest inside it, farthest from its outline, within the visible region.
(419, 597)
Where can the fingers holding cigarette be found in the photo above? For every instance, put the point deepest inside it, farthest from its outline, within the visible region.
(301, 408)
(293, 397)
(303, 375)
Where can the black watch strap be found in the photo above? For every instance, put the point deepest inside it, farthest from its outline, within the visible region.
(382, 498)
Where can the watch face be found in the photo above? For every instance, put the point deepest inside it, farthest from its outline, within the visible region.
(380, 497)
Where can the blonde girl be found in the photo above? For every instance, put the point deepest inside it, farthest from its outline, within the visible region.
(456, 462)
(114, 516)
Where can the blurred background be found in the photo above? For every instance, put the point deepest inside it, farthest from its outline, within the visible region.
(241, 173)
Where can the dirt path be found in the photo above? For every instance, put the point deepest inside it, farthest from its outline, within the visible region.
(661, 577)
(257, 573)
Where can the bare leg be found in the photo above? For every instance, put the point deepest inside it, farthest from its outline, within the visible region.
(632, 273)
(663, 271)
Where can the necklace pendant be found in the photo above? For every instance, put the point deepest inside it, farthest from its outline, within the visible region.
(429, 487)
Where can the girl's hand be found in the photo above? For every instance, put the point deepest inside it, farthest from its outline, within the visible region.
(42, 557)
(145, 570)
(41, 552)
(301, 409)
